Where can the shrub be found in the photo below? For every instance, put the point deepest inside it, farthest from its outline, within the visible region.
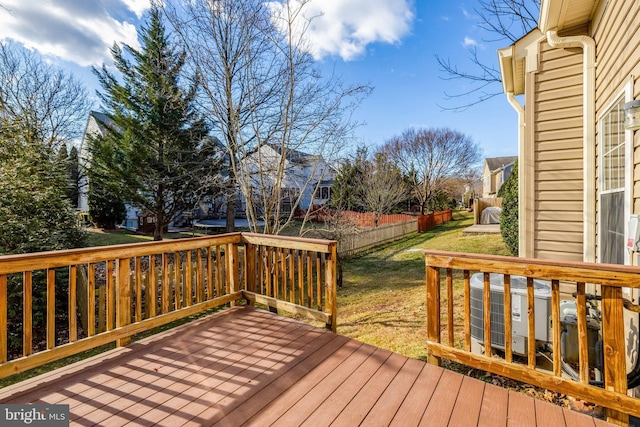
(509, 217)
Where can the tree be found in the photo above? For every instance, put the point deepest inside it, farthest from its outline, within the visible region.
(347, 183)
(263, 89)
(382, 187)
(500, 20)
(431, 157)
(155, 155)
(509, 216)
(46, 104)
(35, 213)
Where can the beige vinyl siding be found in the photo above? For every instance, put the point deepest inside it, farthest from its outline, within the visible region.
(617, 36)
(558, 160)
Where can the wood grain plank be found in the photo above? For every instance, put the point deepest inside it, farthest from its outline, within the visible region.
(494, 407)
(551, 414)
(415, 403)
(438, 412)
(521, 411)
(51, 308)
(466, 411)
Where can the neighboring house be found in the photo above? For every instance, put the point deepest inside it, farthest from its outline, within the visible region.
(579, 169)
(495, 172)
(298, 177)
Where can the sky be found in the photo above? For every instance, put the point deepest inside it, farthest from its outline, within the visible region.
(389, 44)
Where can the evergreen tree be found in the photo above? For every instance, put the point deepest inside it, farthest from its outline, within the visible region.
(151, 155)
(509, 215)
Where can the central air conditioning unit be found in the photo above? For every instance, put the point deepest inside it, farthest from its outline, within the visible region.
(519, 323)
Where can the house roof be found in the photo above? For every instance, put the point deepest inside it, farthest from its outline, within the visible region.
(295, 156)
(497, 162)
(561, 14)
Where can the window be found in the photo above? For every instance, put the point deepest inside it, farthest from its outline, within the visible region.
(612, 184)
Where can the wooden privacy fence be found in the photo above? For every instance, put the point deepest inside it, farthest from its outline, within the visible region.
(55, 304)
(447, 272)
(365, 239)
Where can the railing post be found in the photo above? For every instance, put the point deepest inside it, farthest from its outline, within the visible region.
(233, 273)
(331, 286)
(615, 373)
(123, 298)
(433, 308)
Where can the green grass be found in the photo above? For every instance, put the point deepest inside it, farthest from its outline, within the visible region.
(382, 301)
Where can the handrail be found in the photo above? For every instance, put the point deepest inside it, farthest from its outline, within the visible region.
(456, 269)
(94, 296)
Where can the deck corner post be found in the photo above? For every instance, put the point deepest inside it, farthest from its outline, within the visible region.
(123, 298)
(615, 373)
(433, 309)
(331, 286)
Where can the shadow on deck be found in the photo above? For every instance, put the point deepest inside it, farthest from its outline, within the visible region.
(249, 366)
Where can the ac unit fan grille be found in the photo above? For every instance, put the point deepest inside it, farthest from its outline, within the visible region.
(497, 317)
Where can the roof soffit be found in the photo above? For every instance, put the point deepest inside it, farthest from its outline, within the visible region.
(560, 14)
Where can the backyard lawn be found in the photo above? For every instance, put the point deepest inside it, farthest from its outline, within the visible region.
(382, 301)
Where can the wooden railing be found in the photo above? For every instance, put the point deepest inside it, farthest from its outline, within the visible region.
(56, 304)
(449, 274)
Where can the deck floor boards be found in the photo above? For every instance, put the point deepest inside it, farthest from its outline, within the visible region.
(245, 366)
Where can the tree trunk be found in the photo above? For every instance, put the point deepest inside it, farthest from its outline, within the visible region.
(231, 211)
(157, 229)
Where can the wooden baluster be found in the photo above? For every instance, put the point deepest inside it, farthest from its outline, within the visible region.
(3, 318)
(102, 308)
(166, 293)
(91, 300)
(450, 306)
(433, 309)
(233, 264)
(188, 283)
(292, 282)
(319, 281)
(152, 287)
(330, 286)
(613, 345)
(73, 316)
(508, 351)
(531, 325)
(300, 277)
(138, 273)
(209, 274)
(488, 350)
(218, 272)
(123, 297)
(555, 323)
(583, 348)
(51, 308)
(467, 310)
(27, 317)
(111, 298)
(199, 277)
(309, 280)
(176, 272)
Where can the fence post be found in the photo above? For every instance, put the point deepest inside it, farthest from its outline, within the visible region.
(433, 308)
(123, 298)
(615, 370)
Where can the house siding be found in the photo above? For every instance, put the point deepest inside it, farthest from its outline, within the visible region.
(617, 36)
(558, 161)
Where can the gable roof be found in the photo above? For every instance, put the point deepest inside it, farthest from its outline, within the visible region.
(497, 162)
(295, 156)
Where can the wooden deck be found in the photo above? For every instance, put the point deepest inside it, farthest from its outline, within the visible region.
(245, 366)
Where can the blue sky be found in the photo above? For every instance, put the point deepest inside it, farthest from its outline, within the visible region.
(390, 44)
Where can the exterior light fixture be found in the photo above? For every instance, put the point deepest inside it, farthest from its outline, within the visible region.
(632, 115)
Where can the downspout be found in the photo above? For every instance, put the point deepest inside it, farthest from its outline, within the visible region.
(588, 46)
(521, 206)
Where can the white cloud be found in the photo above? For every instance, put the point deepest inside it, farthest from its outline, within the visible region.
(79, 31)
(469, 42)
(345, 27)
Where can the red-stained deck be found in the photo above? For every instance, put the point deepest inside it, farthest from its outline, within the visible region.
(245, 366)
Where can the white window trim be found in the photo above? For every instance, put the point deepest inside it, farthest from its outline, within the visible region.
(628, 172)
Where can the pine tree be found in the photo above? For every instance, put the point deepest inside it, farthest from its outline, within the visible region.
(151, 155)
